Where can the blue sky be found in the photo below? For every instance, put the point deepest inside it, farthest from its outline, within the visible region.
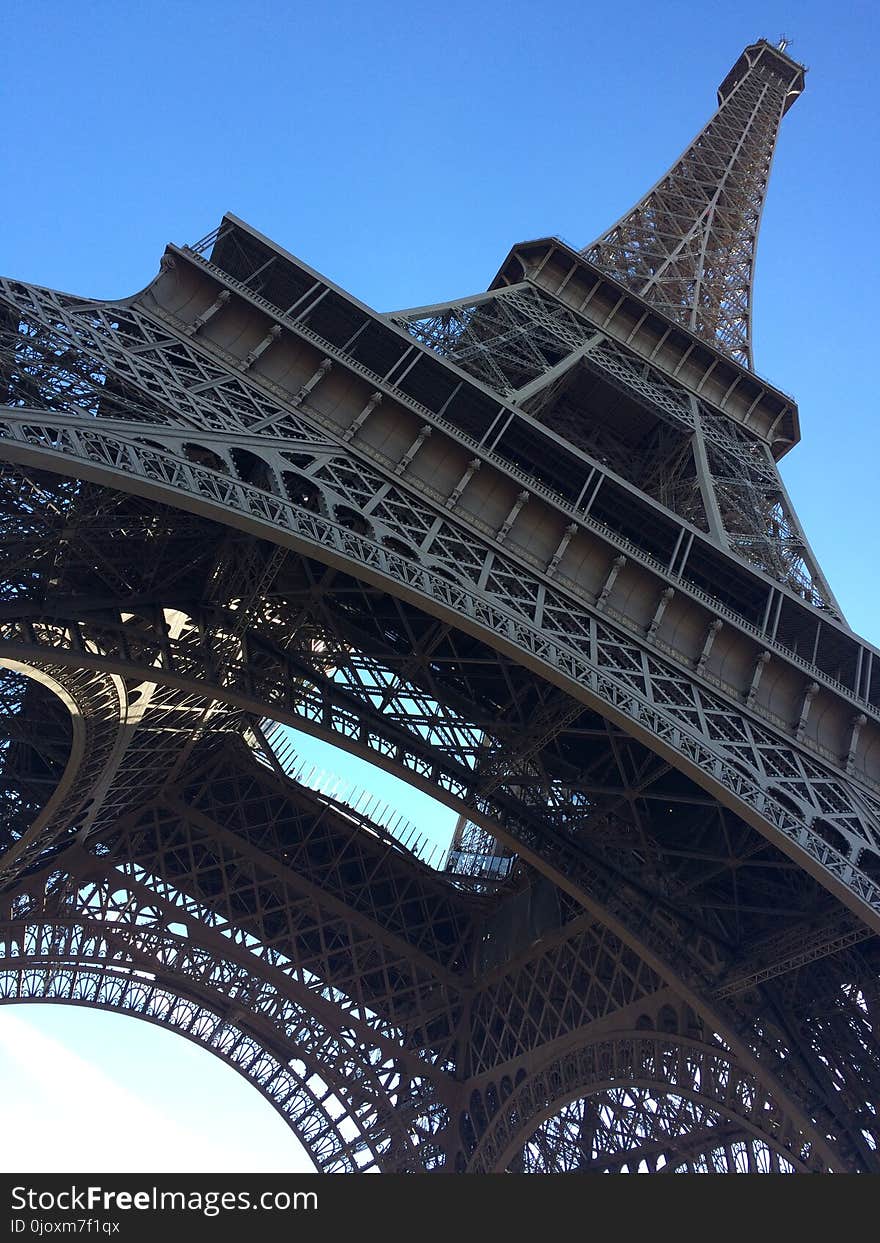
(403, 150)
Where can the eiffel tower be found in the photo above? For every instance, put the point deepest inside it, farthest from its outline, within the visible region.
(528, 550)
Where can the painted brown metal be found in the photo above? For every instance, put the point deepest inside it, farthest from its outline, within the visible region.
(528, 550)
(688, 246)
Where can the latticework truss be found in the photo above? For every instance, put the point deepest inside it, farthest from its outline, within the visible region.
(537, 565)
(689, 245)
(650, 430)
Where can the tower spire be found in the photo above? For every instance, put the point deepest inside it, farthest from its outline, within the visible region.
(689, 245)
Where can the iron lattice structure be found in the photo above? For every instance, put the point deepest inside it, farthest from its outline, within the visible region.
(528, 550)
(689, 245)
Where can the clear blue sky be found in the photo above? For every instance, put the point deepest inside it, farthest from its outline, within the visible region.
(403, 150)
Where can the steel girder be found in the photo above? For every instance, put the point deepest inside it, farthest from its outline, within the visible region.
(335, 647)
(223, 641)
(528, 564)
(778, 782)
(222, 884)
(720, 477)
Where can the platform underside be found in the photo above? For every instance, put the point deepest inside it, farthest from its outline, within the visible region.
(561, 962)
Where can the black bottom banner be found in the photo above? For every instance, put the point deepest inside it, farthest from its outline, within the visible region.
(302, 1206)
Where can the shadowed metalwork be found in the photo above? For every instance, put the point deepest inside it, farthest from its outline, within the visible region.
(528, 550)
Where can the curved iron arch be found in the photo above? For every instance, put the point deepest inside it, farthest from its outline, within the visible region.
(80, 659)
(734, 776)
(630, 1059)
(122, 662)
(308, 1095)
